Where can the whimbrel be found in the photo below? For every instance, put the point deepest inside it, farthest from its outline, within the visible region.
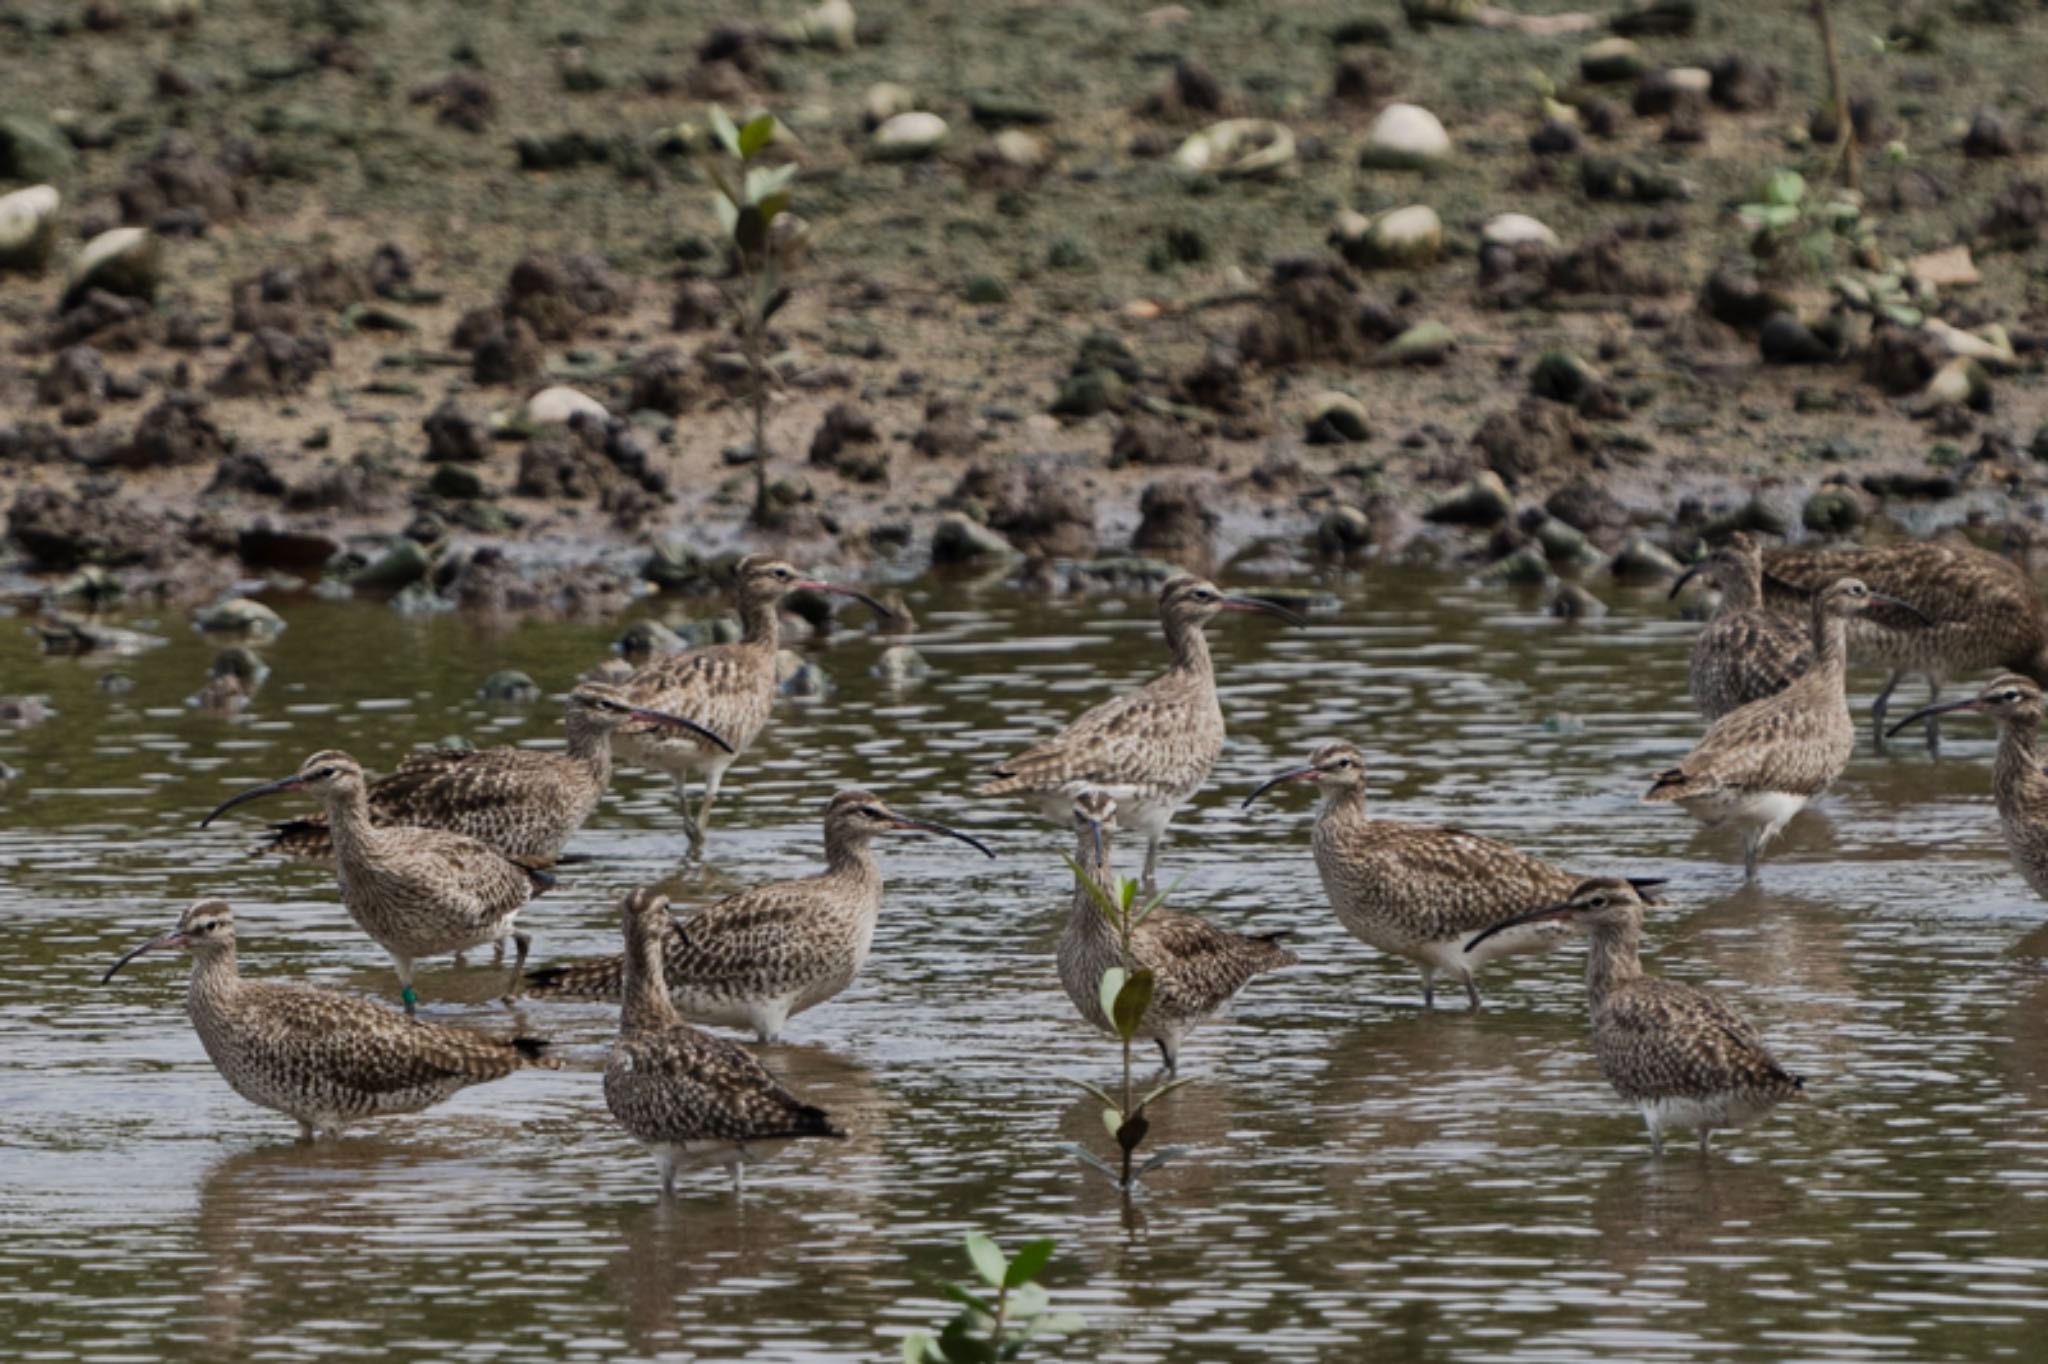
(1758, 765)
(1977, 613)
(730, 687)
(418, 892)
(1416, 891)
(523, 802)
(1151, 749)
(1197, 968)
(1745, 652)
(2018, 784)
(322, 1058)
(1679, 1054)
(757, 959)
(694, 1099)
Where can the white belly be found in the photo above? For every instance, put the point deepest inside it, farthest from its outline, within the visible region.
(1765, 811)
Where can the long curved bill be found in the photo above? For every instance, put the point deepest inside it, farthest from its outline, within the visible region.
(270, 788)
(841, 590)
(1534, 916)
(1685, 578)
(1929, 712)
(174, 938)
(925, 826)
(1915, 612)
(663, 718)
(1292, 774)
(1264, 608)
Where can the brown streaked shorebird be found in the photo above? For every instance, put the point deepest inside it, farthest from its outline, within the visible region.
(321, 1058)
(1419, 892)
(757, 959)
(692, 1098)
(730, 687)
(418, 892)
(1977, 613)
(1149, 750)
(1759, 764)
(1744, 652)
(1679, 1054)
(1197, 968)
(2018, 785)
(524, 802)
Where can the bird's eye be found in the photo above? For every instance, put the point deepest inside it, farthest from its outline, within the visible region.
(872, 813)
(1598, 902)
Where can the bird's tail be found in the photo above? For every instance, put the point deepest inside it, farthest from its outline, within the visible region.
(536, 869)
(307, 840)
(601, 978)
(812, 1121)
(1670, 784)
(534, 1051)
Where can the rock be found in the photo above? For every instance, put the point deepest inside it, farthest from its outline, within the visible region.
(1425, 343)
(899, 664)
(1482, 502)
(1657, 19)
(274, 363)
(1518, 229)
(1238, 148)
(1017, 150)
(245, 471)
(558, 295)
(125, 261)
(259, 545)
(509, 687)
(1087, 393)
(1406, 137)
(1336, 418)
(1175, 521)
(1833, 511)
(60, 532)
(1565, 544)
(646, 639)
(76, 376)
(458, 483)
(1642, 560)
(1785, 340)
(1733, 294)
(1573, 602)
(908, 136)
(1366, 79)
(1611, 178)
(1555, 137)
(1611, 60)
(1948, 268)
(1662, 92)
(177, 431)
(1526, 567)
(1562, 377)
(1988, 345)
(949, 430)
(831, 26)
(403, 563)
(1961, 382)
(844, 425)
(796, 675)
(957, 539)
(240, 615)
(558, 404)
(883, 101)
(1399, 239)
(32, 149)
(994, 109)
(454, 436)
(1343, 531)
(509, 353)
(28, 229)
(1149, 440)
(1990, 135)
(1530, 439)
(1743, 83)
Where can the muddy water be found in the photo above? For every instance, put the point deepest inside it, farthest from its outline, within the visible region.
(1445, 1186)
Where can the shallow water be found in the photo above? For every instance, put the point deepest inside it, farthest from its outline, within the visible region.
(1448, 1186)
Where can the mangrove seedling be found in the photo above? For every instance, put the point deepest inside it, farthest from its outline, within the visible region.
(1001, 1319)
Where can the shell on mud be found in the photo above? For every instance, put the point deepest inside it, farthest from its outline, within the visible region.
(1238, 148)
(28, 228)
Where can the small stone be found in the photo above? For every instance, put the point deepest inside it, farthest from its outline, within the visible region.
(1238, 148)
(28, 229)
(1833, 511)
(883, 101)
(797, 676)
(1482, 502)
(899, 664)
(32, 149)
(908, 136)
(1989, 346)
(1399, 239)
(1526, 567)
(831, 26)
(556, 405)
(1518, 229)
(1961, 382)
(1336, 418)
(1406, 137)
(1611, 60)
(646, 639)
(509, 686)
(240, 615)
(1425, 343)
(457, 482)
(1948, 268)
(959, 539)
(1343, 531)
(1565, 544)
(1785, 340)
(126, 261)
(1643, 560)
(1573, 602)
(403, 563)
(1088, 393)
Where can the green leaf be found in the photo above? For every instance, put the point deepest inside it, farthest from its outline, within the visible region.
(1128, 1011)
(763, 181)
(968, 1298)
(1096, 1090)
(728, 216)
(988, 1261)
(756, 135)
(1783, 186)
(1031, 1258)
(1060, 1323)
(1106, 994)
(722, 128)
(1102, 898)
(962, 1346)
(1164, 1090)
(772, 206)
(1145, 910)
(919, 1348)
(1113, 1119)
(1027, 1301)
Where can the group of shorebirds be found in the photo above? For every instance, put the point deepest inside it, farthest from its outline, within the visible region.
(440, 856)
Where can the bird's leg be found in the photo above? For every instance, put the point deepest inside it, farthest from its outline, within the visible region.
(1706, 1139)
(522, 943)
(1428, 987)
(739, 1176)
(1752, 848)
(1151, 879)
(406, 994)
(1656, 1135)
(1877, 709)
(689, 820)
(497, 952)
(1166, 1055)
(701, 825)
(1933, 721)
(1471, 992)
(305, 1133)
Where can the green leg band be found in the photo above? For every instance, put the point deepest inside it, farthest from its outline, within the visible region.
(411, 1000)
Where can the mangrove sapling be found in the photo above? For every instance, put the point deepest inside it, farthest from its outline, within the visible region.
(997, 1328)
(1126, 994)
(751, 197)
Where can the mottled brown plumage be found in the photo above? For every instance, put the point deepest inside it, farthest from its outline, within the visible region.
(322, 1058)
(694, 1099)
(1197, 968)
(1417, 891)
(1149, 750)
(418, 892)
(759, 958)
(524, 802)
(1679, 1054)
(1759, 764)
(1745, 651)
(2018, 785)
(1977, 612)
(729, 688)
